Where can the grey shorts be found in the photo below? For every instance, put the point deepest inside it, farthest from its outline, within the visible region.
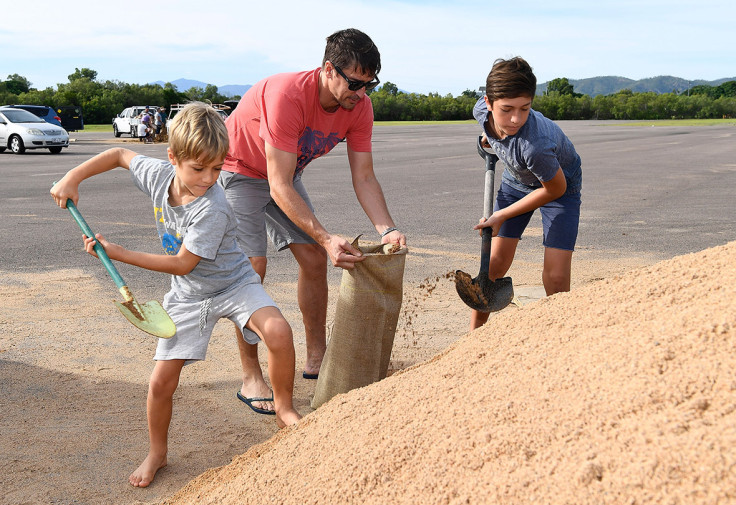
(195, 320)
(259, 218)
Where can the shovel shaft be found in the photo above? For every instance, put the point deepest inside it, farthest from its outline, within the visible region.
(106, 261)
(487, 234)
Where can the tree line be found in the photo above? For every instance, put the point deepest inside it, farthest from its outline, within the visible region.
(101, 101)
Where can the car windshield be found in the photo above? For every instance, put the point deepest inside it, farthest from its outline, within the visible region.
(21, 116)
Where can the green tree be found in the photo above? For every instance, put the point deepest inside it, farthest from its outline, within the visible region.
(560, 85)
(17, 84)
(84, 73)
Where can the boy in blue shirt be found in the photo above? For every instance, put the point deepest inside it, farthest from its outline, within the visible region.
(543, 171)
(211, 276)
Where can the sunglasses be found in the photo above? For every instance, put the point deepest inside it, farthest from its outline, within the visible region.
(354, 85)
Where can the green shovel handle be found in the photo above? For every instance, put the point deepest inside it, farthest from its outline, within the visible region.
(119, 282)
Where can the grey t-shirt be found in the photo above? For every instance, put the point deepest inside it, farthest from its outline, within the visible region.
(534, 153)
(206, 226)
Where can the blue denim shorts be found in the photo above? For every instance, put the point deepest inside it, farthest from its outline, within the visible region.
(560, 218)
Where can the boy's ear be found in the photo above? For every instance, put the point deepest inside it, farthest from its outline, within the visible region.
(489, 104)
(171, 156)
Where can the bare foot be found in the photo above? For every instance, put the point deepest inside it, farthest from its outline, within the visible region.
(258, 389)
(284, 419)
(145, 473)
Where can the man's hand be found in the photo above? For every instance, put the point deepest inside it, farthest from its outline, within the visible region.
(342, 253)
(394, 237)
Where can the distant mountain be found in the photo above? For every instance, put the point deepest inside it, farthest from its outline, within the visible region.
(608, 85)
(233, 89)
(228, 90)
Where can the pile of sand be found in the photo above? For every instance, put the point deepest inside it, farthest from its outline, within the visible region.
(620, 392)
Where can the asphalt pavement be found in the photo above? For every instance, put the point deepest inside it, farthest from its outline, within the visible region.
(661, 191)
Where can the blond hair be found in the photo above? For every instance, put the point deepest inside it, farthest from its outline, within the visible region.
(198, 133)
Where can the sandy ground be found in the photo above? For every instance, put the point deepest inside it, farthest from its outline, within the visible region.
(74, 374)
(622, 391)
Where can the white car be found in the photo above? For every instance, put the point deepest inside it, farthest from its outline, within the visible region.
(128, 120)
(21, 130)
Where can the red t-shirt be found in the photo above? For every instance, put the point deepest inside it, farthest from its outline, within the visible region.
(284, 110)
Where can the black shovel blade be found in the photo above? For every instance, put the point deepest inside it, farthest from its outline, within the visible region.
(482, 294)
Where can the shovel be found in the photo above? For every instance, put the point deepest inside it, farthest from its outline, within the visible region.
(150, 316)
(481, 293)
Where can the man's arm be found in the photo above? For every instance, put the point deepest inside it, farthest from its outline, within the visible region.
(281, 166)
(370, 195)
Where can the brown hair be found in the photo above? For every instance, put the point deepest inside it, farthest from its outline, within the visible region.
(510, 79)
(198, 133)
(353, 48)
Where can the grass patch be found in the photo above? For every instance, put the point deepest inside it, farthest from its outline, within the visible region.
(681, 122)
(98, 128)
(404, 123)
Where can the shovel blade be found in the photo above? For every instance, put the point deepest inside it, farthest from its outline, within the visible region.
(149, 317)
(482, 294)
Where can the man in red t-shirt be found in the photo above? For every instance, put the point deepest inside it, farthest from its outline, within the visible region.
(281, 124)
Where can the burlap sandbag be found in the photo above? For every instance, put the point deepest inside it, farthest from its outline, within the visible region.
(366, 314)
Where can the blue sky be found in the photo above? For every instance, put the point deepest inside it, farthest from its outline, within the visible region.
(426, 46)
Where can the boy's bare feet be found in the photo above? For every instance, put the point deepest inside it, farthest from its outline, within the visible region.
(145, 473)
(287, 418)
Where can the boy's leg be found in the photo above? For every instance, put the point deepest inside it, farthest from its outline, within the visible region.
(274, 330)
(312, 296)
(557, 270)
(163, 383)
(502, 255)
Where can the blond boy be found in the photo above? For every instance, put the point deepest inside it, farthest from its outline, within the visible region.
(211, 276)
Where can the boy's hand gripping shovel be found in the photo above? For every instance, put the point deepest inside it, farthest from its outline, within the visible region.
(481, 293)
(149, 317)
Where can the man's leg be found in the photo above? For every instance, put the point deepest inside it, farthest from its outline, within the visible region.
(254, 386)
(312, 297)
(502, 255)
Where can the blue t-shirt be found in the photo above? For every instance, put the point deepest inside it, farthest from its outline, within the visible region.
(534, 153)
(206, 226)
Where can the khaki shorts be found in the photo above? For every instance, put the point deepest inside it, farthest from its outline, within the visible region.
(259, 218)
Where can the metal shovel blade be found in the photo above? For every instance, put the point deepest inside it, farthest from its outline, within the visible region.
(483, 294)
(149, 316)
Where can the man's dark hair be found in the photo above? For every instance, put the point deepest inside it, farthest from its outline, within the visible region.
(510, 79)
(352, 48)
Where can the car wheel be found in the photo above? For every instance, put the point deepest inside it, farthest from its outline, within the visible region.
(55, 149)
(115, 130)
(16, 145)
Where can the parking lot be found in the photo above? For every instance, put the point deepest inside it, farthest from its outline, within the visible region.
(655, 191)
(74, 371)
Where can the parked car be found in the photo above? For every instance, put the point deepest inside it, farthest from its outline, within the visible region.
(128, 121)
(21, 130)
(222, 110)
(71, 117)
(48, 114)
